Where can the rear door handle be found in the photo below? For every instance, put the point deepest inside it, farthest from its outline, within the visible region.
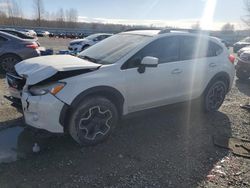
(176, 71)
(212, 65)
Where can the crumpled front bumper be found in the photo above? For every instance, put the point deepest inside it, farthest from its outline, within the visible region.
(42, 112)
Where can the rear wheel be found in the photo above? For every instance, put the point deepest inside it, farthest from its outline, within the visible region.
(8, 62)
(214, 96)
(93, 120)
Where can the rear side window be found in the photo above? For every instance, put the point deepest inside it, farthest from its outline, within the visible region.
(214, 49)
(195, 47)
(165, 49)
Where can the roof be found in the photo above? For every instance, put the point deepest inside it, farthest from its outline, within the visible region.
(144, 32)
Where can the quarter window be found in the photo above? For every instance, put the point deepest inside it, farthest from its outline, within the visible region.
(197, 47)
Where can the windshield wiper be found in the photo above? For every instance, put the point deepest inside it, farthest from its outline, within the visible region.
(89, 58)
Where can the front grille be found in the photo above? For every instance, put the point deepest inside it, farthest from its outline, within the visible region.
(15, 81)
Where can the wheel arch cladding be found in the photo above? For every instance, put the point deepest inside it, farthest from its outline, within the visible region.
(108, 92)
(223, 76)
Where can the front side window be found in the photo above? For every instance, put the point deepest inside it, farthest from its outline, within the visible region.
(165, 49)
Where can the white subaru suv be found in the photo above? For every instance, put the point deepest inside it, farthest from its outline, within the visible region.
(128, 72)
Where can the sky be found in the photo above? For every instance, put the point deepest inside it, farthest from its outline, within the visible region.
(180, 13)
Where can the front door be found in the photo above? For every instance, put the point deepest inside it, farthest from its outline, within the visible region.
(156, 86)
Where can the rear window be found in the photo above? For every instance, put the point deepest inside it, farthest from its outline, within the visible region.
(197, 47)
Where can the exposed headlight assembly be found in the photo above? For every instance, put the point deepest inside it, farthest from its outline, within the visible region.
(53, 89)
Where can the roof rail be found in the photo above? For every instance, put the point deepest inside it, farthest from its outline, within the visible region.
(168, 30)
(142, 28)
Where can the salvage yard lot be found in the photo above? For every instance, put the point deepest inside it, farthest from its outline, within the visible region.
(166, 147)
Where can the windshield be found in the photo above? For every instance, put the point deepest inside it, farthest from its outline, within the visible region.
(114, 48)
(91, 37)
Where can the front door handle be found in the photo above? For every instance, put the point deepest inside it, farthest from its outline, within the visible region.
(176, 71)
(212, 65)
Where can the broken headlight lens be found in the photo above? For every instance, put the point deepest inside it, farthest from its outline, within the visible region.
(49, 88)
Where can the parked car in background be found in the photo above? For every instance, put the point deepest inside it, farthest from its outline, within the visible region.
(41, 33)
(14, 49)
(241, 44)
(243, 65)
(128, 72)
(79, 45)
(29, 32)
(18, 34)
(247, 48)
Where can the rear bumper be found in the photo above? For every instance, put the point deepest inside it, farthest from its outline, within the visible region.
(30, 54)
(42, 112)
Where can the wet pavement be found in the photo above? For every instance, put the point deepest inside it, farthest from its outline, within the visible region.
(8, 144)
(20, 142)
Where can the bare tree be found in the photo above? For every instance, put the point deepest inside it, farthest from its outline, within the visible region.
(196, 26)
(246, 18)
(60, 17)
(227, 28)
(71, 17)
(39, 11)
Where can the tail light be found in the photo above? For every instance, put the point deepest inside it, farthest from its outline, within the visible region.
(32, 45)
(231, 58)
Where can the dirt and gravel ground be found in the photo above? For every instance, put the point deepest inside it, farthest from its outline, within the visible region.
(167, 147)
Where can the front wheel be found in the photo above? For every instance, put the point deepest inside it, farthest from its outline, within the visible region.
(93, 120)
(214, 96)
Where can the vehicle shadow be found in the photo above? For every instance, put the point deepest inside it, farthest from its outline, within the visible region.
(243, 86)
(167, 147)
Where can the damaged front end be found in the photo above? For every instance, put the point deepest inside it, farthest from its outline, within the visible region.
(36, 85)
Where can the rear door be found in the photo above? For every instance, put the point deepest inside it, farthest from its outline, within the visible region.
(198, 62)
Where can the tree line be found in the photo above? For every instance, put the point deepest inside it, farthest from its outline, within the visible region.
(12, 14)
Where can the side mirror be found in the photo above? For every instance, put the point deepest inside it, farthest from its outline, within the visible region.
(148, 61)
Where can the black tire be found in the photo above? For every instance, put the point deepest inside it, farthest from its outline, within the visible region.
(85, 47)
(93, 120)
(214, 96)
(242, 75)
(8, 62)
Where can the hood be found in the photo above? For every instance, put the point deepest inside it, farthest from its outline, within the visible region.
(38, 69)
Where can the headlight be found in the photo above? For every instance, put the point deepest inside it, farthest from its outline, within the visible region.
(49, 88)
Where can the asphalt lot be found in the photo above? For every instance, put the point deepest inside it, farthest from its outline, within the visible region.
(166, 147)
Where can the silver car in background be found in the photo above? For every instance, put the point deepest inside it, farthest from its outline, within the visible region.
(14, 49)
